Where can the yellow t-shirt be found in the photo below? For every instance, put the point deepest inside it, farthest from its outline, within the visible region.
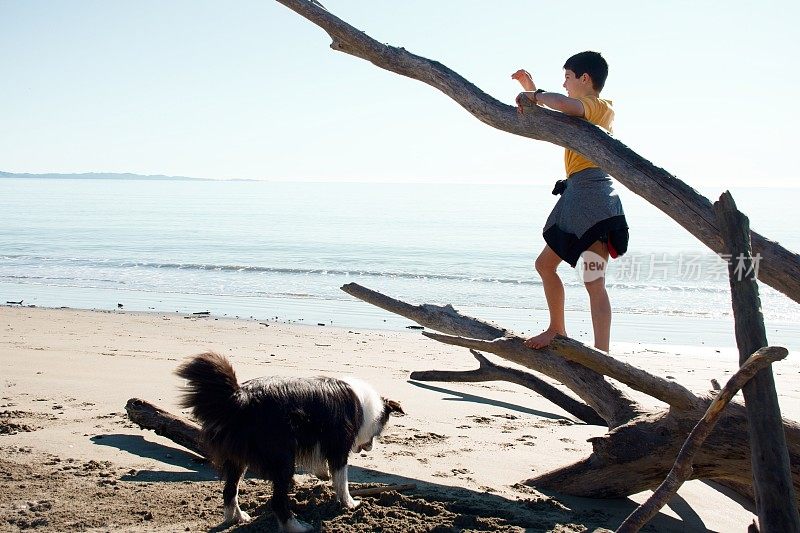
(599, 112)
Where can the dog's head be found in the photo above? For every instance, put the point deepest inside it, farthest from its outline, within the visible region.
(390, 407)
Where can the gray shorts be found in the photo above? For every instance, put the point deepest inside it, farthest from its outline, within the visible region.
(589, 210)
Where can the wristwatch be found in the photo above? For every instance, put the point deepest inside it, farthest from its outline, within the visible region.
(537, 91)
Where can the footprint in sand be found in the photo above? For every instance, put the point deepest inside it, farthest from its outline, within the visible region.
(527, 440)
(404, 453)
(507, 416)
(417, 439)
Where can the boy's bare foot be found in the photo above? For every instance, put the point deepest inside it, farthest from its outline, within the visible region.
(543, 339)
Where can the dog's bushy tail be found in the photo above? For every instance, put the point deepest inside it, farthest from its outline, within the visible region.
(211, 388)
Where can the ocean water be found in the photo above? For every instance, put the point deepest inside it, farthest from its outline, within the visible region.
(272, 250)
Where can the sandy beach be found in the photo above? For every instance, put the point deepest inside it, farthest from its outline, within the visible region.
(71, 460)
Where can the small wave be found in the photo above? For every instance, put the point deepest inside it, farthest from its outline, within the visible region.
(665, 285)
(704, 289)
(60, 278)
(322, 271)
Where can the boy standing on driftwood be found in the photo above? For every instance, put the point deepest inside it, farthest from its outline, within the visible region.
(588, 220)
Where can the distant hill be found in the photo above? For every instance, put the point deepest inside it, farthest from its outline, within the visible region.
(99, 176)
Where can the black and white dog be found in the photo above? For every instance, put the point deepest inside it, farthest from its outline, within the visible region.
(270, 424)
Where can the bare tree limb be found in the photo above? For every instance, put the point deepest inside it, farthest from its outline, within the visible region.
(441, 318)
(513, 349)
(674, 394)
(682, 469)
(780, 267)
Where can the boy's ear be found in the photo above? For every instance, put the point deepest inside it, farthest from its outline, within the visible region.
(392, 406)
(585, 78)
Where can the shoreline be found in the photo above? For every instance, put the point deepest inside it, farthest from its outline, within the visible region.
(635, 328)
(72, 371)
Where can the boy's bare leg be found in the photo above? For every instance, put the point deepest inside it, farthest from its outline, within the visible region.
(599, 302)
(546, 265)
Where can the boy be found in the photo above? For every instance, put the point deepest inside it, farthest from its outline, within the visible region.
(588, 219)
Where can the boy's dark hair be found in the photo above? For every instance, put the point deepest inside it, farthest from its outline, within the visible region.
(591, 63)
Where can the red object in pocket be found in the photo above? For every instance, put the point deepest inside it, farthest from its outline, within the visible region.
(612, 251)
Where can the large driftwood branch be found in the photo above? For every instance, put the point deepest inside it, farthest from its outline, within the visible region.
(633, 456)
(442, 318)
(682, 469)
(489, 371)
(775, 498)
(780, 267)
(611, 403)
(513, 349)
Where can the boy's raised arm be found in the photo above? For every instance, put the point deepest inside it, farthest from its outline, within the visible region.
(559, 102)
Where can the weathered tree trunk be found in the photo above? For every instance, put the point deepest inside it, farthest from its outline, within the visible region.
(638, 451)
(780, 268)
(772, 481)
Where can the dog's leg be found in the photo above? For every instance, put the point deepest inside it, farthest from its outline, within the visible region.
(232, 474)
(281, 482)
(320, 464)
(342, 490)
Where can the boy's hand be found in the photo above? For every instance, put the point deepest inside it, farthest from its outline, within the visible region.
(524, 78)
(524, 100)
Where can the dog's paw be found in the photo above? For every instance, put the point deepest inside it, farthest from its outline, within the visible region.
(351, 503)
(293, 525)
(235, 516)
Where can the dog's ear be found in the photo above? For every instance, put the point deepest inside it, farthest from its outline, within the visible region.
(392, 406)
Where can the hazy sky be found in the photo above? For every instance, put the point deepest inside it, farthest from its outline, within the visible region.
(248, 89)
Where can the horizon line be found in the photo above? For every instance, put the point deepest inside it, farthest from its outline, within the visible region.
(132, 176)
